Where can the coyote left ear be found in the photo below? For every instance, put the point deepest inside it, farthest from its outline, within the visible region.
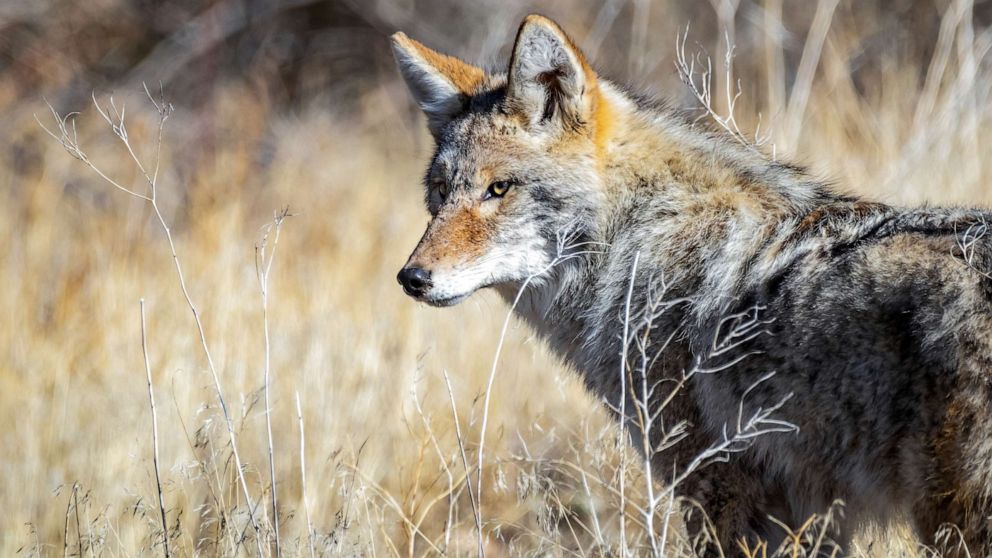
(549, 79)
(440, 84)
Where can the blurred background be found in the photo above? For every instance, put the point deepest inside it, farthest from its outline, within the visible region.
(297, 104)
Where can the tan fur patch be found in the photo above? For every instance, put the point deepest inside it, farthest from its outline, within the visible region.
(604, 122)
(464, 236)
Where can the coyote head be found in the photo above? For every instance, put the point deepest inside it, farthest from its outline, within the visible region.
(517, 161)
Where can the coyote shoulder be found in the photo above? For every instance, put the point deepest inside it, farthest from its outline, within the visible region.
(750, 285)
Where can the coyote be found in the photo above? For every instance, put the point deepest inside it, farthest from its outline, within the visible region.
(867, 328)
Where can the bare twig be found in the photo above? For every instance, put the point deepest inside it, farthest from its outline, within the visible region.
(696, 72)
(565, 250)
(65, 528)
(476, 514)
(741, 438)
(444, 464)
(75, 507)
(640, 334)
(303, 475)
(263, 267)
(151, 404)
(623, 406)
(966, 242)
(726, 13)
(115, 118)
(388, 498)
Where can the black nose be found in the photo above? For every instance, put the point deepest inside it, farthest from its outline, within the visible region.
(416, 281)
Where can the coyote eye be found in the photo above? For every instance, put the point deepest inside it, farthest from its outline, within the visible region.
(498, 189)
(442, 190)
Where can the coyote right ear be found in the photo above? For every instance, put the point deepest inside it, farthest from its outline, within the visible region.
(549, 80)
(439, 83)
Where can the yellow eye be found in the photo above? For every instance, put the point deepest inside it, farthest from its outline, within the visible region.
(442, 190)
(498, 189)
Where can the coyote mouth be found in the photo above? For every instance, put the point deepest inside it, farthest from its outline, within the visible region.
(445, 302)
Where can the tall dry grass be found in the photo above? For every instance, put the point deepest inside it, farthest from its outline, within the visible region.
(390, 393)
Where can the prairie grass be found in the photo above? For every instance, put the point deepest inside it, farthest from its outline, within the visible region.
(389, 392)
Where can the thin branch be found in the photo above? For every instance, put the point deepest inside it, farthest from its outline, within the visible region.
(303, 476)
(623, 405)
(155, 460)
(263, 268)
(71, 145)
(476, 513)
(564, 252)
(444, 465)
(699, 82)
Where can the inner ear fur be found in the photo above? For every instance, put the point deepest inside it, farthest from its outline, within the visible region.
(549, 79)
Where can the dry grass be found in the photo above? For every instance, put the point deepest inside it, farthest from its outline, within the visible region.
(384, 471)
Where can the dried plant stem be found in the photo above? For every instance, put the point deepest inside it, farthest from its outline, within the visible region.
(75, 507)
(65, 530)
(623, 407)
(444, 465)
(263, 267)
(476, 515)
(949, 23)
(808, 63)
(303, 475)
(229, 422)
(485, 405)
(563, 253)
(697, 72)
(115, 118)
(151, 404)
(485, 416)
(726, 13)
(413, 527)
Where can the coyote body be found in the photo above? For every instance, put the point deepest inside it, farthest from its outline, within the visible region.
(865, 327)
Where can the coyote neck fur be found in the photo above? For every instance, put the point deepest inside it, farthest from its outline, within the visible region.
(667, 182)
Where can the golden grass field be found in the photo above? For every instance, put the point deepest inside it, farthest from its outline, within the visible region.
(384, 471)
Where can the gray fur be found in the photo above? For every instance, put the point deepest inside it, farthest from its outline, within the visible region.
(876, 320)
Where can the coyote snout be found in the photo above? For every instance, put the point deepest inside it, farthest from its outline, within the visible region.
(474, 240)
(458, 253)
(416, 281)
(516, 163)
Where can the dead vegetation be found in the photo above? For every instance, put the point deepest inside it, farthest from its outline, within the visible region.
(302, 405)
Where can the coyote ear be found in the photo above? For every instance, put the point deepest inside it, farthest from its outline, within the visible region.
(549, 78)
(440, 84)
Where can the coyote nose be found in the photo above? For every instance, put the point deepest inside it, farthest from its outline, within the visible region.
(415, 280)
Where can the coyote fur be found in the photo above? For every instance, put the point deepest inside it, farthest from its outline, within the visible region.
(866, 327)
